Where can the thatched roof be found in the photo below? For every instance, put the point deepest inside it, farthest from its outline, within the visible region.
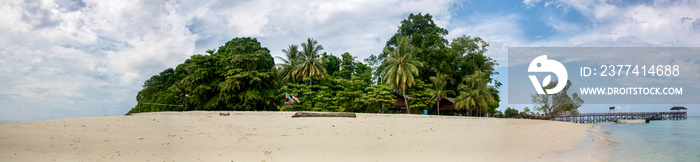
(451, 99)
(678, 108)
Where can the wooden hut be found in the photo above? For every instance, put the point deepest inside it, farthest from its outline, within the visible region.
(400, 104)
(447, 106)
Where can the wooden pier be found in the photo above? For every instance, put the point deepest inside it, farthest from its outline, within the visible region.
(676, 113)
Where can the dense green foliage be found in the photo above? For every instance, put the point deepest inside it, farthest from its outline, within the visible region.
(421, 98)
(332, 63)
(439, 90)
(289, 63)
(417, 63)
(510, 112)
(461, 57)
(498, 114)
(429, 41)
(240, 75)
(378, 98)
(311, 63)
(474, 94)
(401, 68)
(348, 64)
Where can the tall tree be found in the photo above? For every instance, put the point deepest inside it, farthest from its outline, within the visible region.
(347, 66)
(311, 65)
(474, 93)
(422, 30)
(237, 76)
(205, 73)
(289, 64)
(510, 112)
(553, 105)
(439, 90)
(429, 41)
(363, 72)
(331, 63)
(248, 76)
(401, 68)
(468, 56)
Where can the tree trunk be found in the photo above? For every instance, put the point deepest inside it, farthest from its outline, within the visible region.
(408, 110)
(311, 78)
(438, 107)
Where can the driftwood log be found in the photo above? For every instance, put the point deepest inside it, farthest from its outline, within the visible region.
(224, 114)
(323, 114)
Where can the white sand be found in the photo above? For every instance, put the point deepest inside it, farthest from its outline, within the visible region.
(275, 136)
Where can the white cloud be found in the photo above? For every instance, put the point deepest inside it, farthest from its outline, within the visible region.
(530, 3)
(77, 55)
(605, 24)
(611, 24)
(71, 54)
(358, 27)
(90, 57)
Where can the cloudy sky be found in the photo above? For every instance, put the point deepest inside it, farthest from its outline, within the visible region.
(73, 58)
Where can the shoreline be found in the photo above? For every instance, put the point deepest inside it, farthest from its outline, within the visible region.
(595, 146)
(275, 136)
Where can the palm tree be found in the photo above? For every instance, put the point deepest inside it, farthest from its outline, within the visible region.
(288, 65)
(439, 83)
(474, 93)
(180, 90)
(311, 63)
(401, 68)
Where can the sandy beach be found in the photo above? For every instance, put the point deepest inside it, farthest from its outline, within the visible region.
(275, 136)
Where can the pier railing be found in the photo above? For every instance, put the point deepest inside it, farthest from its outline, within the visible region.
(610, 117)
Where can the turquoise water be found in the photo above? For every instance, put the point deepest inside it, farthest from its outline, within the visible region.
(659, 140)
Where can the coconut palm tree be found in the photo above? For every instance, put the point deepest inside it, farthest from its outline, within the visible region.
(311, 63)
(401, 68)
(288, 65)
(439, 92)
(474, 93)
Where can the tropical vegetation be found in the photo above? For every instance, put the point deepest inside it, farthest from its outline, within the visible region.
(401, 69)
(439, 92)
(418, 64)
(554, 105)
(474, 94)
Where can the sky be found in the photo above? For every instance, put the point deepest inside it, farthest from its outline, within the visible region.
(76, 58)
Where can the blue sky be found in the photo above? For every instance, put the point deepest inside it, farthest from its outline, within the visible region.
(74, 58)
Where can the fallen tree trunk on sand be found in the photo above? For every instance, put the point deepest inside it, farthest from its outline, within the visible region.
(323, 114)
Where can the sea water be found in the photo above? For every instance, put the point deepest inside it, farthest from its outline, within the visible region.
(658, 140)
(8, 121)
